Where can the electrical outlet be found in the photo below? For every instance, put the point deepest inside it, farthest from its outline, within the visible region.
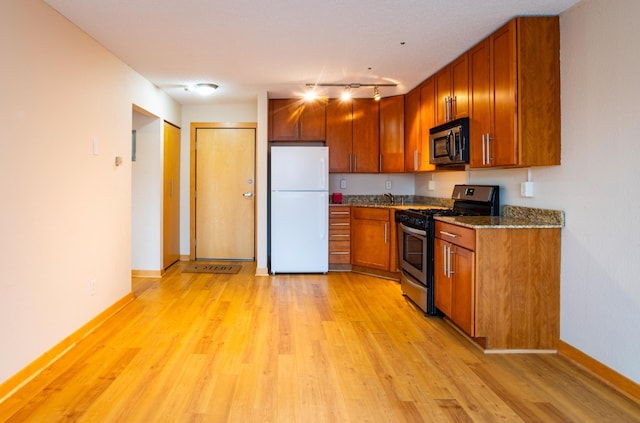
(343, 184)
(431, 185)
(526, 189)
(387, 184)
(92, 287)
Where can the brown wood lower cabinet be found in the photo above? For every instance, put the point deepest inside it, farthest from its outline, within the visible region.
(339, 237)
(501, 286)
(371, 237)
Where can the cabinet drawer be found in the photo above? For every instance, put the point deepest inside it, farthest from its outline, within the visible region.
(339, 211)
(370, 213)
(339, 257)
(339, 234)
(339, 246)
(337, 222)
(458, 235)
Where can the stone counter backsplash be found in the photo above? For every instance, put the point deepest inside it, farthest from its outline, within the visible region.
(399, 200)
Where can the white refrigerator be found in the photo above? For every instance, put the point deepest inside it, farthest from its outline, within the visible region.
(299, 209)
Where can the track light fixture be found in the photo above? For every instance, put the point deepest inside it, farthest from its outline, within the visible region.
(346, 94)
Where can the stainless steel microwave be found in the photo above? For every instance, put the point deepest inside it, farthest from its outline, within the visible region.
(449, 143)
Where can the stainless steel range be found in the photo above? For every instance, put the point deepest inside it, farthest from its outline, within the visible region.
(416, 235)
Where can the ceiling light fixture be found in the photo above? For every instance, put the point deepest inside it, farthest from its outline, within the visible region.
(310, 94)
(376, 93)
(347, 88)
(202, 89)
(346, 94)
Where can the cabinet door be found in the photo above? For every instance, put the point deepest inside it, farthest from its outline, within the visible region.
(370, 238)
(339, 135)
(479, 104)
(442, 290)
(411, 129)
(392, 134)
(283, 119)
(443, 92)
(366, 136)
(427, 121)
(462, 263)
(460, 87)
(312, 121)
(503, 94)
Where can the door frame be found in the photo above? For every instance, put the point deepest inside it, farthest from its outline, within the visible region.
(192, 171)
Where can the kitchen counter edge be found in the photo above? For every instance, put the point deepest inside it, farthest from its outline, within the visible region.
(496, 222)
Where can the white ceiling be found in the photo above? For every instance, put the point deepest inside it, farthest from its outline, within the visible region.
(278, 46)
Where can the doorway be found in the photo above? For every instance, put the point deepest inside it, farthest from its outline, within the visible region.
(223, 191)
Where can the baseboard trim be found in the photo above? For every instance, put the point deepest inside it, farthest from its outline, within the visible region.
(11, 385)
(609, 376)
(147, 273)
(262, 271)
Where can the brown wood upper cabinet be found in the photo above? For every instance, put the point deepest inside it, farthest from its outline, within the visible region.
(296, 120)
(353, 136)
(514, 105)
(392, 134)
(452, 91)
(419, 118)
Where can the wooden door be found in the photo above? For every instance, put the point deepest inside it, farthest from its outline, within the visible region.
(312, 124)
(443, 92)
(392, 134)
(366, 136)
(225, 188)
(427, 121)
(171, 196)
(370, 238)
(463, 263)
(411, 129)
(283, 119)
(479, 104)
(503, 93)
(460, 87)
(339, 135)
(443, 290)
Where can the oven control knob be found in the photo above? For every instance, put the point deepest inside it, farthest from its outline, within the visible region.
(419, 222)
(404, 218)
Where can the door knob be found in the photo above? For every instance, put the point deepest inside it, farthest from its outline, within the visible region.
(247, 195)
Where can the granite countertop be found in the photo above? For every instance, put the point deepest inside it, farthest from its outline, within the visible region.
(512, 217)
(482, 222)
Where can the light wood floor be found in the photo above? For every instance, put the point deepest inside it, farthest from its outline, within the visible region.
(337, 348)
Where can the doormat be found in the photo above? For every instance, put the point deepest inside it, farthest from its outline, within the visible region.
(204, 267)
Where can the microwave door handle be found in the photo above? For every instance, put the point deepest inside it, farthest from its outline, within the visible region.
(451, 139)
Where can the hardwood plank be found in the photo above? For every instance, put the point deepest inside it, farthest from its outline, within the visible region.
(314, 348)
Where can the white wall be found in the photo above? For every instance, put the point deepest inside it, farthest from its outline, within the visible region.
(372, 184)
(66, 213)
(146, 194)
(597, 183)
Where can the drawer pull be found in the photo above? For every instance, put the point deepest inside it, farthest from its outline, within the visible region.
(339, 253)
(335, 212)
(339, 224)
(340, 235)
(449, 234)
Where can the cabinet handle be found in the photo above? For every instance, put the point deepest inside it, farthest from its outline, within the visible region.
(337, 212)
(386, 226)
(450, 272)
(449, 234)
(484, 160)
(339, 236)
(339, 224)
(336, 253)
(355, 163)
(350, 162)
(489, 148)
(444, 259)
(454, 106)
(415, 159)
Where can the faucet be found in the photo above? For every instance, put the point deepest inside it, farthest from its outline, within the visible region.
(390, 197)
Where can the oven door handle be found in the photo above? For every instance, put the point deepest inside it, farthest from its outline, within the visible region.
(413, 231)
